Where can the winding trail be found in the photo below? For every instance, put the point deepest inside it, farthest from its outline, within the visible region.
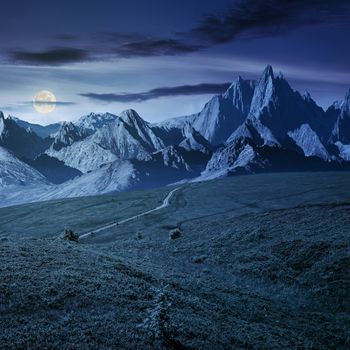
(165, 204)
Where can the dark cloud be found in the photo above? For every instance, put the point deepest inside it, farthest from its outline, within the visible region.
(155, 47)
(25, 105)
(50, 57)
(117, 37)
(243, 19)
(58, 103)
(64, 37)
(262, 18)
(182, 90)
(139, 45)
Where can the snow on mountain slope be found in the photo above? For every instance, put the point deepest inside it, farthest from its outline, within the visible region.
(127, 137)
(165, 167)
(3, 130)
(22, 142)
(224, 113)
(344, 151)
(277, 109)
(341, 129)
(309, 142)
(83, 155)
(67, 135)
(14, 172)
(264, 93)
(92, 122)
(241, 132)
(113, 177)
(140, 129)
(239, 156)
(40, 130)
(194, 141)
(170, 131)
(175, 123)
(171, 157)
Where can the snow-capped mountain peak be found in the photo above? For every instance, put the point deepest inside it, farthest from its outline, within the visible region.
(268, 72)
(309, 142)
(2, 124)
(67, 135)
(92, 122)
(224, 113)
(307, 96)
(341, 129)
(264, 92)
(241, 93)
(131, 117)
(140, 129)
(346, 103)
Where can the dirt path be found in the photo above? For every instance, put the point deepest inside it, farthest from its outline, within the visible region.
(165, 204)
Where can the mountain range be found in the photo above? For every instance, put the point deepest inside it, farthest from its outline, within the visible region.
(254, 126)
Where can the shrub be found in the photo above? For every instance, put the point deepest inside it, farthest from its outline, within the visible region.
(175, 233)
(69, 235)
(139, 235)
(199, 259)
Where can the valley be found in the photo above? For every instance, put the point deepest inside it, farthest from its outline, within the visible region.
(261, 262)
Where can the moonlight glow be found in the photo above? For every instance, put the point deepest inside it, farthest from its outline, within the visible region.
(44, 102)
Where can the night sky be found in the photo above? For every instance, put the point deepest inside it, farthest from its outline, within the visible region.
(164, 58)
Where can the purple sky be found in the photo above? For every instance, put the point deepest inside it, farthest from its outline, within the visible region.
(164, 58)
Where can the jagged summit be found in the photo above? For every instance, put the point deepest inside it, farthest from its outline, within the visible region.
(241, 94)
(268, 72)
(94, 121)
(264, 93)
(131, 117)
(19, 140)
(346, 102)
(307, 96)
(67, 135)
(2, 123)
(224, 113)
(341, 130)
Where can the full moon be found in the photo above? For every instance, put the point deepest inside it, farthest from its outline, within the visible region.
(44, 102)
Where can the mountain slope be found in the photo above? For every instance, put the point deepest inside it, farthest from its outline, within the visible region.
(277, 109)
(309, 142)
(92, 122)
(341, 129)
(127, 137)
(22, 142)
(14, 172)
(85, 155)
(67, 135)
(53, 169)
(40, 130)
(224, 113)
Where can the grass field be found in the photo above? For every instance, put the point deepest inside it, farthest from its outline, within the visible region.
(262, 262)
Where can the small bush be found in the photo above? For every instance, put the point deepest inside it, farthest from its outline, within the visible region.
(174, 234)
(199, 259)
(139, 235)
(69, 235)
